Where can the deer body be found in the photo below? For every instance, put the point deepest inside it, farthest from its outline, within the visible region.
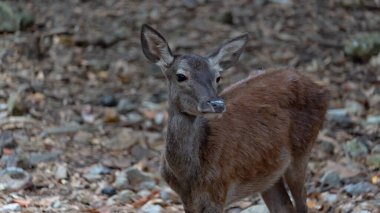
(253, 137)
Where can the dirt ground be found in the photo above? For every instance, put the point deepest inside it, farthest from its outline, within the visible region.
(83, 113)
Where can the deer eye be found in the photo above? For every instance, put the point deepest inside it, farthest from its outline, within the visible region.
(218, 79)
(181, 77)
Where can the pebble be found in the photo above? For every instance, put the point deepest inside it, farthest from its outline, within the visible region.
(3, 106)
(373, 120)
(328, 147)
(121, 180)
(36, 158)
(138, 152)
(339, 116)
(99, 169)
(151, 208)
(14, 179)
(111, 201)
(95, 172)
(134, 118)
(92, 177)
(360, 188)
(125, 105)
(57, 204)
(330, 198)
(356, 148)
(82, 137)
(108, 101)
(354, 107)
(376, 149)
(13, 207)
(331, 178)
(373, 160)
(125, 138)
(126, 196)
(168, 194)
(140, 179)
(61, 172)
(363, 45)
(108, 190)
(256, 209)
(159, 119)
(151, 106)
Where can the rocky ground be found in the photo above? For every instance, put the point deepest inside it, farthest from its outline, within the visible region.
(82, 112)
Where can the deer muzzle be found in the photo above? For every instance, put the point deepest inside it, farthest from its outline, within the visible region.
(212, 106)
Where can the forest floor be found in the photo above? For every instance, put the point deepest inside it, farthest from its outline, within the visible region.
(82, 112)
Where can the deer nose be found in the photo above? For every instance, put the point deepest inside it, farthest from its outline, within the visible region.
(217, 105)
(212, 106)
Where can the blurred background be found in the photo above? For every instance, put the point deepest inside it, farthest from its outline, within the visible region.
(82, 112)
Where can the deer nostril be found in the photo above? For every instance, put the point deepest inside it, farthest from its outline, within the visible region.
(218, 105)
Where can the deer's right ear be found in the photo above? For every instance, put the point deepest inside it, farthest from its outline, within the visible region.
(155, 47)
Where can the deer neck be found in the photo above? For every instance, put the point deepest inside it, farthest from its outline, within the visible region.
(186, 134)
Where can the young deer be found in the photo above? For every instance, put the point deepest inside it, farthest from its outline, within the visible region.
(253, 137)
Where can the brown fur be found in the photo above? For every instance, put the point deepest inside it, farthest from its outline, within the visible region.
(271, 122)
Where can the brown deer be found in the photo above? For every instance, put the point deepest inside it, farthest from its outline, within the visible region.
(254, 137)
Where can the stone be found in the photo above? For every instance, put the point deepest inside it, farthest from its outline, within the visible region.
(168, 194)
(256, 209)
(354, 107)
(108, 101)
(111, 201)
(61, 172)
(327, 147)
(373, 160)
(373, 120)
(360, 188)
(331, 178)
(140, 179)
(356, 148)
(14, 19)
(125, 106)
(14, 179)
(362, 46)
(123, 139)
(340, 117)
(330, 198)
(108, 190)
(139, 153)
(39, 157)
(151, 208)
(57, 204)
(99, 169)
(376, 149)
(82, 137)
(126, 196)
(282, 1)
(121, 181)
(12, 207)
(159, 119)
(92, 177)
(95, 173)
(134, 118)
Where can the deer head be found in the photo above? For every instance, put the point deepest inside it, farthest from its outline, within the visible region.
(192, 78)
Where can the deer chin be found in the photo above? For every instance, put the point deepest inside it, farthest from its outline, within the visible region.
(212, 115)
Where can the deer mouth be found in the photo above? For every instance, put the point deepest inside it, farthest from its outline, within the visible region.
(212, 116)
(212, 109)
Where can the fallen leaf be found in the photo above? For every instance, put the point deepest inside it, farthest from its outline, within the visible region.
(142, 201)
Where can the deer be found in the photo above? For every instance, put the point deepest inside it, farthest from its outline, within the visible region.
(254, 137)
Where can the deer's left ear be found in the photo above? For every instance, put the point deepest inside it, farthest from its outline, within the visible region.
(228, 54)
(155, 47)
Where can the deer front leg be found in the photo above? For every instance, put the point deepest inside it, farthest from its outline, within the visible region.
(277, 199)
